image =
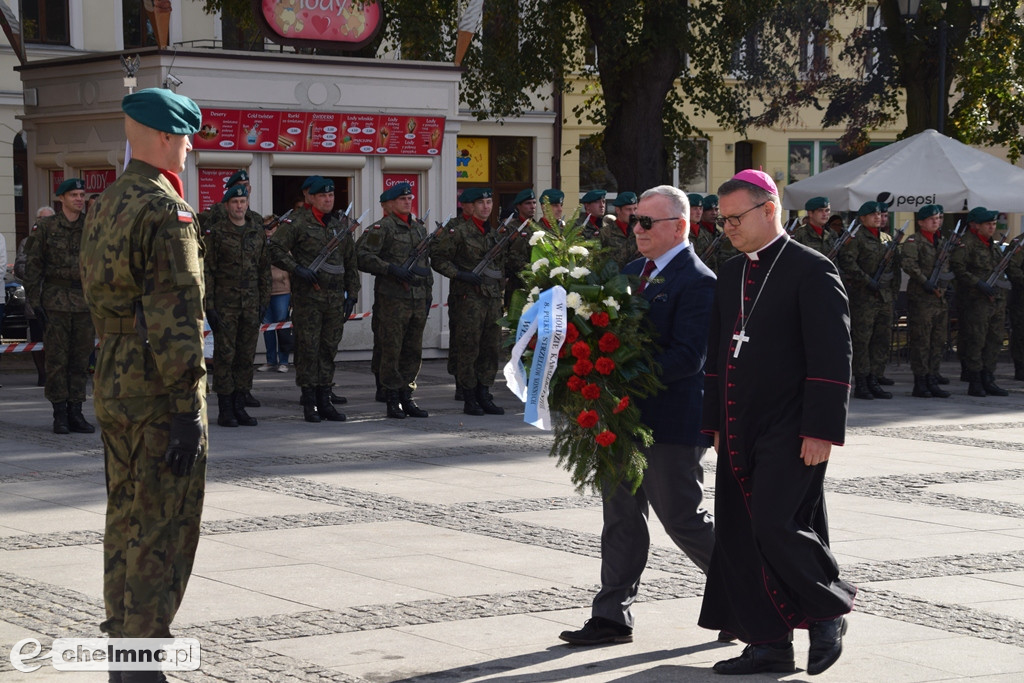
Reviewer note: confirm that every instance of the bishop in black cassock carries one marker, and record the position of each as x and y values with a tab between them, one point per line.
778	378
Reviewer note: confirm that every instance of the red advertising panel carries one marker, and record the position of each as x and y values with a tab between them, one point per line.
220	129
333	24
392	179
56	178
211	185
258	131
98	180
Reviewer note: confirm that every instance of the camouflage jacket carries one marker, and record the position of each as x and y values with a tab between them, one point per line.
972	261
859	259
142	275
237	265
219	211
917	258
391	241
591	230
622	245
808	236
1015	269
299	241
51	265
462	247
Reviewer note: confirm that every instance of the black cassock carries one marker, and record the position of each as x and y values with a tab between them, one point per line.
772	570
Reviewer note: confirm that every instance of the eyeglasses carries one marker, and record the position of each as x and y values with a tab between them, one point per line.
646	221
735	221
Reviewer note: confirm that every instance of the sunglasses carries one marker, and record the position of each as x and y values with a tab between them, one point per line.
646	221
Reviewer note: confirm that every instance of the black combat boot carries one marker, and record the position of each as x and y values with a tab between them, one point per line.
308	401
337	400
884	381
381	396
409	405
486	401
324	406
394	407
470	405
226	410
974	386
876	390
460	395
988	383
921	389
250	400
1018	372
932	382
76	421
60	418
941	379
860	388
244	418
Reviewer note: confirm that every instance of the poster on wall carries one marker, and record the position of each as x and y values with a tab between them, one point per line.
211	186
392	179
472	163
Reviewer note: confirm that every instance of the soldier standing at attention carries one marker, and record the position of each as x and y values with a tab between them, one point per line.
237	295
402	297
474	301
525	204
142	275
554	198
813	233
984	307
593	213
321	301
927	308
1015	274
53	289
699	237
617	231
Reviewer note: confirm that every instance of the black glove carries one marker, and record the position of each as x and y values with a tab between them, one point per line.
350	305
468	276
213	317
306	275
183	442
421	271
40	315
985	287
400	272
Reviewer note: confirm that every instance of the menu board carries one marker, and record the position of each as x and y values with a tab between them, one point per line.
211	185
320	132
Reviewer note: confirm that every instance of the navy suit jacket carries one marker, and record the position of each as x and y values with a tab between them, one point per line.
681	298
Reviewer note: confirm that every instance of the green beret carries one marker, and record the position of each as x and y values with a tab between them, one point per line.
625	199
163	110
310	181
870	207
815	203
927	211
235	191
321	186
980	214
524	196
472	194
710	201
396	191
70	184
695	200
240	176
553	196
593	196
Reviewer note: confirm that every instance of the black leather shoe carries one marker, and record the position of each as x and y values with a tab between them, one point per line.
759	658
338	400
725	637
876	389
940	379
251	401
826	644
885	381
598	631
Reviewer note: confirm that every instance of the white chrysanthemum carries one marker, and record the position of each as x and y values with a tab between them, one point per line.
540	263
579	251
558	270
573	300
534	293
579	272
584	310
536	238
610	302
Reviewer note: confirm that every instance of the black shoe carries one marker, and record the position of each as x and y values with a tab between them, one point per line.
974	386
885	381
876	390
933	386
921	387
60	418
941	379
338	400
244	418
250	400
1018	375
460	395
860	389
598	631
409	406
324	408
394	407
308	401
759	658
470	406
486	401
988	383
76	421
725	637
826	644
226	410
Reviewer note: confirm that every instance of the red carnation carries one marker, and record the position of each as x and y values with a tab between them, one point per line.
575	383
606	438
608	343
587	419
583	367
581	350
571	334
591	392
599	319
561	352
605	365
623	404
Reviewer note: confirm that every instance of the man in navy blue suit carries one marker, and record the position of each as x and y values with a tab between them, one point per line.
680	290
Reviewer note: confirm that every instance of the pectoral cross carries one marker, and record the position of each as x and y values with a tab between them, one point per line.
739	338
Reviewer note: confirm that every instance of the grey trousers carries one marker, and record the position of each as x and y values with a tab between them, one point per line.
673	486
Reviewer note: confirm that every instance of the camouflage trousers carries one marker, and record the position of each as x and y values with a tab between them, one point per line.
152	521
375	356
871	333
981	331
400	332
318	326
69	340
476	338
1016	310
927	323
234	349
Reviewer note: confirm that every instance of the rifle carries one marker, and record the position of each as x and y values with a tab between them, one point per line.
332	244
483	268
890	252
713	247
844	237
996	279
277	220
944	253
420	249
791	225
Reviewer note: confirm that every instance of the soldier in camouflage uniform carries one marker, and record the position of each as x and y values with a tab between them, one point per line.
617	231
219	212
525	204
982	323
554	199
813	233
321	301
1015	306
474	301
237	295
927	308
593	212
699	237
142	275
709	222
53	289
871	303
402	297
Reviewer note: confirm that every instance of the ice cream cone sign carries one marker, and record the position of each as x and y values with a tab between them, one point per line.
159	14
